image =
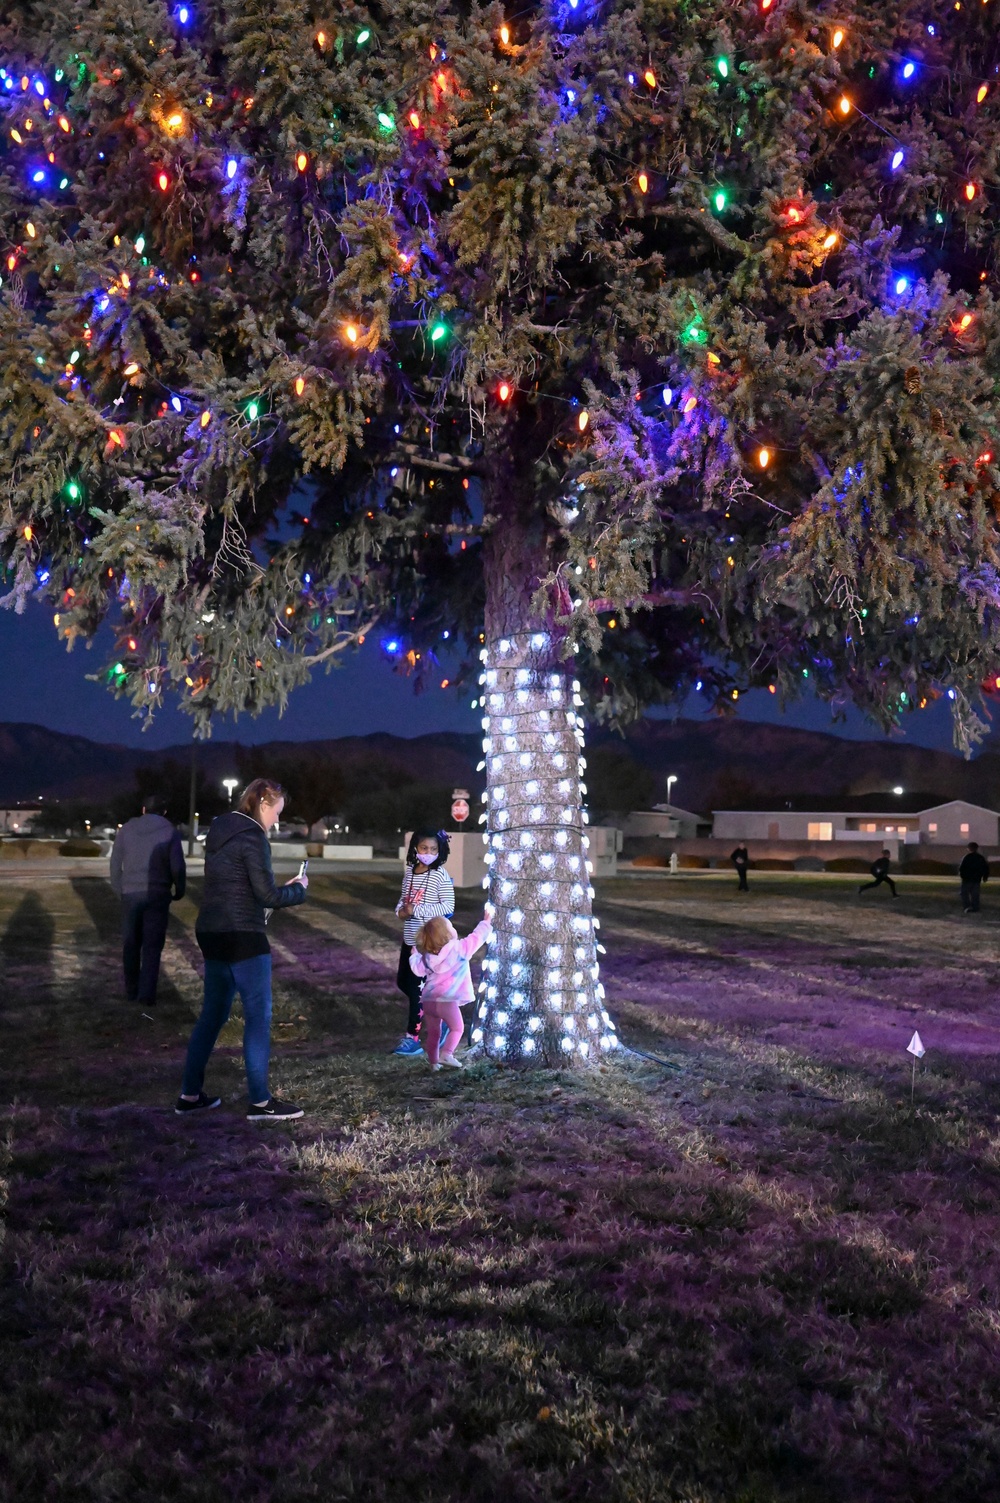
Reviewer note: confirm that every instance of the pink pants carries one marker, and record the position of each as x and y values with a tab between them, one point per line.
436	1013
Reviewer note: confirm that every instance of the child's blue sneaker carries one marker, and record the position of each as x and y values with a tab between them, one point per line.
408	1046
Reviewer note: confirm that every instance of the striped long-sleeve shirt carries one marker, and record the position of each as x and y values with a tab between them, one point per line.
432	894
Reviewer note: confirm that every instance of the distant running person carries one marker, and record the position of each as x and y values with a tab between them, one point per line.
973	872
741	860
147	874
880	872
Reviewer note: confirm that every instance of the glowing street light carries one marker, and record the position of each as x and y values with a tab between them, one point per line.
230	785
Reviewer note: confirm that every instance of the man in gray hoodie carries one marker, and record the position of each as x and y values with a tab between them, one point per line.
147	873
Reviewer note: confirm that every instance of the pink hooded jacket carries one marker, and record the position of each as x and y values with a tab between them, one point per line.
447	975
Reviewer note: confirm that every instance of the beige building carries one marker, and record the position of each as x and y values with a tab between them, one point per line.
949	824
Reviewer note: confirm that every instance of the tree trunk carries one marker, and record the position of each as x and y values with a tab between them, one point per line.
541	1000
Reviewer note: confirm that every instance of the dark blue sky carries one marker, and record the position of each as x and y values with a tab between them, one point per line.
44	684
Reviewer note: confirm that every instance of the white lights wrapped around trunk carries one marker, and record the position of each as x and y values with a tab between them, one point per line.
541	999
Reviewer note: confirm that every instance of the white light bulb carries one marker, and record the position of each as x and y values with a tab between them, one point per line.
560	761
536	814
504	646
567	1044
562	839
566	816
481	1014
525	759
564	785
584	1047
514	861
510	743
506	888
573	862
550	740
531	788
516	916
576	891
507	725
500	1042
538	641
528	1046
496	701
491	676
499	794
503	818
534	1024
569	1024
486	883
592	1022
555	1001
553	978
549	920
517	944
502	1019
548	862
517	999
577	978
477	1035
491	993
516	969
546	889
521	696
554	952
522	676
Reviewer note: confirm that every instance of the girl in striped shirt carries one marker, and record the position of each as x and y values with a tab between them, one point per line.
428	892
443	960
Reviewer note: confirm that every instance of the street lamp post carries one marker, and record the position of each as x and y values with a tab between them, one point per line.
230	785
670	781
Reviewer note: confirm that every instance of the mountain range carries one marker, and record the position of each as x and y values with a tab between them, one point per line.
718	763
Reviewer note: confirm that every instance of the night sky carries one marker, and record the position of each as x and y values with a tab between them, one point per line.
45	685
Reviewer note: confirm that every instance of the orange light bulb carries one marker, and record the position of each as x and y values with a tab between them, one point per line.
845	105
763	458
302	161
838	36
650	78
583	420
300	386
505	35
983	91
643	183
503	391
414	120
970	191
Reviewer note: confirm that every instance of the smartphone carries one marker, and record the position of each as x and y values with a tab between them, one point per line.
304	867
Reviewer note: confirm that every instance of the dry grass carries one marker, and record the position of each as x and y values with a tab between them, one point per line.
759	1278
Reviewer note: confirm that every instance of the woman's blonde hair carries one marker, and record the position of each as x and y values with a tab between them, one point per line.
433	936
260	791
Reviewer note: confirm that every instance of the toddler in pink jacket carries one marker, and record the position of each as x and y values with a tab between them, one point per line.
442	959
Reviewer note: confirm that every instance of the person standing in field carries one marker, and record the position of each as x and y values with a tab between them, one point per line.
231	930
147	874
973	872
880	873
428	892
741	860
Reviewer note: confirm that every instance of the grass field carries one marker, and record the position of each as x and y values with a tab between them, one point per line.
758	1275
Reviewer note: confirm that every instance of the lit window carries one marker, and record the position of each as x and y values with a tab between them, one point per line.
964	829
932	829
821	830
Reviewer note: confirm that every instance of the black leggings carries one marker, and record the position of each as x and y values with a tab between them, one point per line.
878	883
410	986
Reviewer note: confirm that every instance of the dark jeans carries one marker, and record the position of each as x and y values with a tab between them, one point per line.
741	872
878	883
970	896
144	930
409	985
252	979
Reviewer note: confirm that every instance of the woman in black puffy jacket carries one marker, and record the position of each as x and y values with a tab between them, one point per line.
231	930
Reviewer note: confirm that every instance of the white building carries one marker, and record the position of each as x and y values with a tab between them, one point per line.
953	823
665	820
17	821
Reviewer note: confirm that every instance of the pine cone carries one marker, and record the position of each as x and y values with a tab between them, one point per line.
937	420
912	380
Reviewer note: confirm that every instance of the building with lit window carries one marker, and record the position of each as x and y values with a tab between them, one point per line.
908	820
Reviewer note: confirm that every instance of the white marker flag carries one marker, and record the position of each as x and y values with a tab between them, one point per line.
915	1047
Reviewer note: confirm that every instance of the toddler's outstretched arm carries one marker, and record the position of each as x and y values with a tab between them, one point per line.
480	934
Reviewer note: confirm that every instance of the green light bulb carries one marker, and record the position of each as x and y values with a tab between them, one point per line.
140	245
73	491
722	66
363	37
720	201
386	121
438	332
252	412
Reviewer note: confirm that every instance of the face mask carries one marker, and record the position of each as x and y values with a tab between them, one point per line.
424	859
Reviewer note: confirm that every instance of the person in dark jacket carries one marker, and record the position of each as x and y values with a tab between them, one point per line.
147	874
231	931
973	872
880	873
741	860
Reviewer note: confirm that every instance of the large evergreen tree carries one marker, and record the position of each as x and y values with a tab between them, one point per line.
628	346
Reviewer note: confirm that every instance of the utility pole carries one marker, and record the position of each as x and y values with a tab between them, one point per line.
192	811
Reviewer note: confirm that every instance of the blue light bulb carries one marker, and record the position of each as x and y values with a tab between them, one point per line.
184	15
668	396
392	646
176	403
40	88
231	167
39	176
902	283
909	69
897	161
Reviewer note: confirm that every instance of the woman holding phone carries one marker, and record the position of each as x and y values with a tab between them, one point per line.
231	930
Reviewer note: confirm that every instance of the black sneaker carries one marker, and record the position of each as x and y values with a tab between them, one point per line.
274	1111
203	1104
